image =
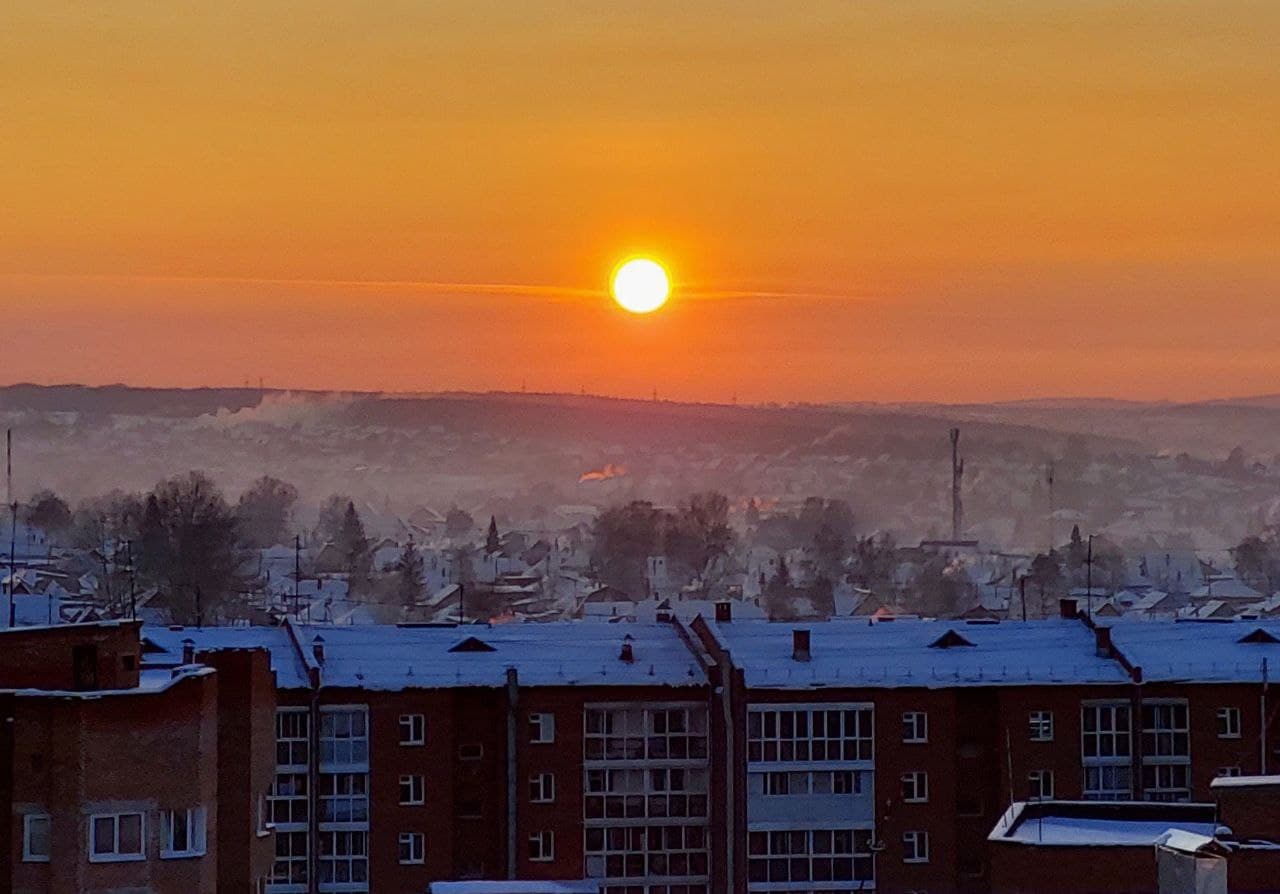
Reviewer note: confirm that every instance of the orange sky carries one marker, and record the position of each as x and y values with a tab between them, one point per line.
949	200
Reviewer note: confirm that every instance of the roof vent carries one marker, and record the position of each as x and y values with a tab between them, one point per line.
800	645
1259	635
628	653
317	648
1067	609
472	644
188	651
950	640
724	611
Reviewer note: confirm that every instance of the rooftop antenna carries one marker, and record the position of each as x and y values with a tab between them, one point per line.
13	519
957	473
1088	579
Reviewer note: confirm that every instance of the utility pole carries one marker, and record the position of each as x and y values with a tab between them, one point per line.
1022	588
1049	480
1088	578
13	521
957	473
133	590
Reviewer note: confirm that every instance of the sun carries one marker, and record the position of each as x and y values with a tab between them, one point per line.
640	285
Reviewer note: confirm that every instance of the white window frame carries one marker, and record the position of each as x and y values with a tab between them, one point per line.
542	788
542	729
915	727
1114	765
853	847
917	781
1229	725
115	855
770	744
353	744
417	794
413	729
915	846
1041	783
196	843
416	842
1168	770
542	846
1040	724
28	820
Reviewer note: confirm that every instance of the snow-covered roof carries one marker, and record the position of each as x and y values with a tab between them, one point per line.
515	887
1090	824
385	657
543	654
1245	782
290	674
897	653
1200	651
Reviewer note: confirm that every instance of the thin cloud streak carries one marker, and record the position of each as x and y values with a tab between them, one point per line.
433	287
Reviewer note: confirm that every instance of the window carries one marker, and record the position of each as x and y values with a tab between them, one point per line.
1041	784
1228	723
293	737
413	849
542	728
344	797
35	838
116	837
182	833
815	858
1166	751
915	787
344	861
1041	723
1105	747
542	847
542	788
809	735
413	729
470	752
411	790
1227	772
806	782
344	739
915	727
915	847
645	780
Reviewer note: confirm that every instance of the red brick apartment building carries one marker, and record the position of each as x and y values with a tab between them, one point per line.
116	778
727	756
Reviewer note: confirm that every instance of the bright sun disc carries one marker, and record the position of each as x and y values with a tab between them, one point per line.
640	286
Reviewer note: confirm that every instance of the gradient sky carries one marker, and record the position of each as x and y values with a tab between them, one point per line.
857	200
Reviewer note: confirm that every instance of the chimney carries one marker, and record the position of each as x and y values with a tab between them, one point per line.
724	611
188	651
1067	609
627	654
800	645
1102	639
317	648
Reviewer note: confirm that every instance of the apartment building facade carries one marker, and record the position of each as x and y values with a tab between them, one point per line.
114	778
725	755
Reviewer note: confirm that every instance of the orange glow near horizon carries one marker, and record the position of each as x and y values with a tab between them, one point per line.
872	201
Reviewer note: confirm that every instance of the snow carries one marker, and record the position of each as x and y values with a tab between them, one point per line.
1198	651
1090	831
853	652
384	657
509	887
565	653
1244	781
1186	842
290	674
